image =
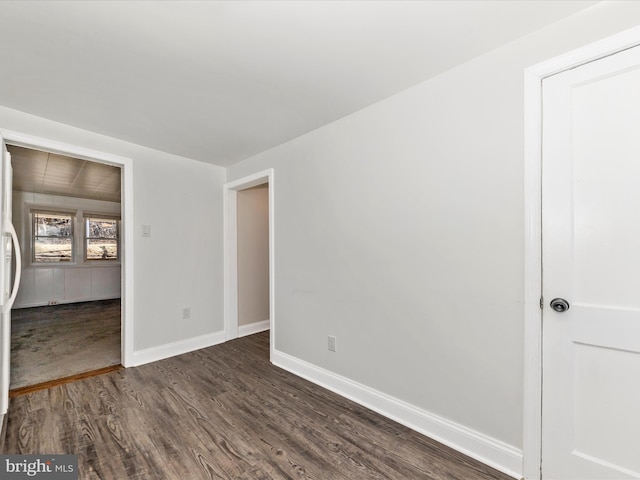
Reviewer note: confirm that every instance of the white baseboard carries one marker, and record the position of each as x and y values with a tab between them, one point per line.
488	450
62	302
251	328
161	352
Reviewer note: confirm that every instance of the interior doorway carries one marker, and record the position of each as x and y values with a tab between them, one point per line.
535	302
253	259
249	213
66	319
591	315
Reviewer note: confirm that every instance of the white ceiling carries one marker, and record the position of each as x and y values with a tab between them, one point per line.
219	81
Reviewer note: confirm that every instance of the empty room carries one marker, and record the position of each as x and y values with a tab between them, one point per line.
320	239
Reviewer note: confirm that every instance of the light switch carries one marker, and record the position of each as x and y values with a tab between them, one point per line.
146	230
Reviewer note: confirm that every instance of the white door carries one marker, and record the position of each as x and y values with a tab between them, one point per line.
8	284
591	259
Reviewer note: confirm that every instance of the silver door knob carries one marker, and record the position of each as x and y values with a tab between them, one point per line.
559	305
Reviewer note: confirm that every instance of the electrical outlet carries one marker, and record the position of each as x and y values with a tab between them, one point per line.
332	343
53	302
186	312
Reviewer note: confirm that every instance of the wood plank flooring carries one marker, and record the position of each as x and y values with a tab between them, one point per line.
223	412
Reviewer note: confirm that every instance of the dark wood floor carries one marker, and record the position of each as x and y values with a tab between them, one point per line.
223	413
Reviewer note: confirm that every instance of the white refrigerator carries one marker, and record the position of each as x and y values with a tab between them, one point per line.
9	273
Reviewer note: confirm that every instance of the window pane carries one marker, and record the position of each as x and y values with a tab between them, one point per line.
102	228
52	225
52	249
102	249
101	238
52	237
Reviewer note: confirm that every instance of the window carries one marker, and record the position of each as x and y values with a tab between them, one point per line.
101	238
52	237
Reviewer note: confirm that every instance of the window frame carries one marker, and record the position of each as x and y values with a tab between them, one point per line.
86	216
79	237
72	214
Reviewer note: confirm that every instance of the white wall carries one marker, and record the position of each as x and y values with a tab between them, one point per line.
180	264
63	283
253	255
400	230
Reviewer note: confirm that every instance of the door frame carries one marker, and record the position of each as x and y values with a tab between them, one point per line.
532	408
230	200
126	165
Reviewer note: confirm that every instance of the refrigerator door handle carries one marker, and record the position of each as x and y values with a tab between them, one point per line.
16	281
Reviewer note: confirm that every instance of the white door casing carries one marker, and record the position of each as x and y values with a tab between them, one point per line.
126	164
533	77
591	257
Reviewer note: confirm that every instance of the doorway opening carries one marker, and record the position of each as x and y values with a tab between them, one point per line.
125	234
253	259
66	318
249	255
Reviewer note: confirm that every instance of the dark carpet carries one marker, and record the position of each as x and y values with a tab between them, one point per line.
54	342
